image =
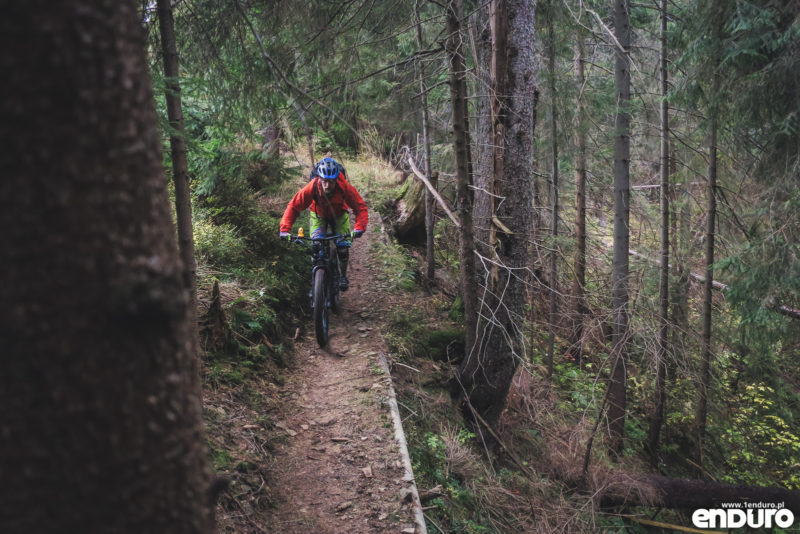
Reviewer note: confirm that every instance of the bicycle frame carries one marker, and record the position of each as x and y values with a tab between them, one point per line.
324	258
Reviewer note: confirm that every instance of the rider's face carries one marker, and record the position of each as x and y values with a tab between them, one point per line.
328	186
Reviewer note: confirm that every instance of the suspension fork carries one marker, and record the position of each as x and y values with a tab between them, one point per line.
328	279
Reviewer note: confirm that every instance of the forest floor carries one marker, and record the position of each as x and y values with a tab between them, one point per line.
322	452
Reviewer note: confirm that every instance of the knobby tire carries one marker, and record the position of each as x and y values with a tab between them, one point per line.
334	281
320	307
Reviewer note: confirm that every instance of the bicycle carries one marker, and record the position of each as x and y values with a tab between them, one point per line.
324	280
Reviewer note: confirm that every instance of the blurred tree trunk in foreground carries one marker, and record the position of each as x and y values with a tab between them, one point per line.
101	427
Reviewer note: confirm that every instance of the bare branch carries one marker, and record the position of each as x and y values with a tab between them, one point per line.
432	189
286	81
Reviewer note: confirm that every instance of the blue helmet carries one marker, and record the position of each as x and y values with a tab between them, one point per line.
328	169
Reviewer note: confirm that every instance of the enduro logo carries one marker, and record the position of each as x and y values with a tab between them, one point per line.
736	515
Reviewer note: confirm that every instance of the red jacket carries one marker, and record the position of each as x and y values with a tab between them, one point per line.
343	196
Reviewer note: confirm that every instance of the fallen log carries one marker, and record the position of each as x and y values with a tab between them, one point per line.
404	216
409	209
406	213
678	493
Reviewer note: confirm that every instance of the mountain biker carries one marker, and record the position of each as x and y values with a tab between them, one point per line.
328	196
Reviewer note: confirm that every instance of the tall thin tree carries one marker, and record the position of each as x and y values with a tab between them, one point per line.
551	62
484	151
659	397
463	160
701	412
617	387
430	204
579	287
177	141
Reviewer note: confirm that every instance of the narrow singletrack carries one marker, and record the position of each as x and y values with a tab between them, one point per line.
339	468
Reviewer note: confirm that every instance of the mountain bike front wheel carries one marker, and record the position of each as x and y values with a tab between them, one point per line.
320	306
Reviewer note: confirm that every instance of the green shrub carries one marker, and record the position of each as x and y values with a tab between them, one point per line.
218	244
410	334
230	201
396	266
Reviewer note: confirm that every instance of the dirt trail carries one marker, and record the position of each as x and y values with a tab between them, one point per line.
340	468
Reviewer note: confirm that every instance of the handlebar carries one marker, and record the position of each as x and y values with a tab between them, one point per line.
301	239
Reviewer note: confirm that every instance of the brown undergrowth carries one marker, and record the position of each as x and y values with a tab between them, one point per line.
528	476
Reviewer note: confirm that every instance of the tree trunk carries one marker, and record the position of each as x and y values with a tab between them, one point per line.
101	402
430	205
681	247
554	192
463	162
498	106
617	386
484	151
488	370
679	294
657	419
714	107
180	166
430	221
708	284
579	289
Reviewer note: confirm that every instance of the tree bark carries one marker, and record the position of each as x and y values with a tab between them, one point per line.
463	162
554	192
498	106
271	134
681	247
177	141
659	397
430	205
489	368
101	406
484	151
618	380
701	409
701	412
579	288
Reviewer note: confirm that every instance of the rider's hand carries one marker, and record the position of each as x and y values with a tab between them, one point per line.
356	233
285	235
